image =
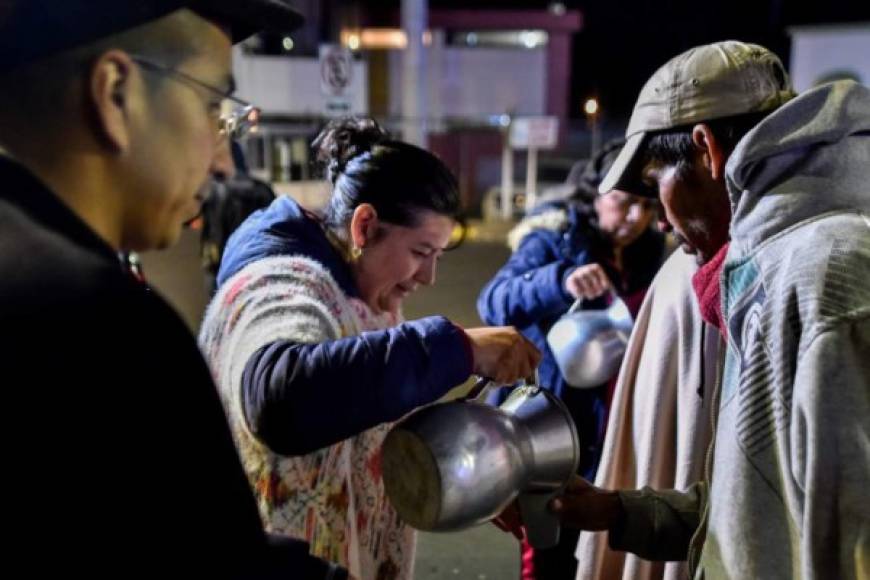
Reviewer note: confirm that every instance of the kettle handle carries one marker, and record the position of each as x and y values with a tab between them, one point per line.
542	526
578	304
479	390
482	386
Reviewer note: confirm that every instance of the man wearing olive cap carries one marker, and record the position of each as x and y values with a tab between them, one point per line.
118	457
770	192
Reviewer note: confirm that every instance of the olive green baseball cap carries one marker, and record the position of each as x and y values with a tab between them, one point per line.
704	83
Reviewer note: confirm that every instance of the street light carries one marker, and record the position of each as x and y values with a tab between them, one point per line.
591	106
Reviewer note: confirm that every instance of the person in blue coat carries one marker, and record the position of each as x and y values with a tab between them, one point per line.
313	360
575	245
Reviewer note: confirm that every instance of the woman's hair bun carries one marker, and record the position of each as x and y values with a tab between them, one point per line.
343	139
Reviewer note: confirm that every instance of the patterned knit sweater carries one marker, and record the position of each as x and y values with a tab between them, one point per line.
334	497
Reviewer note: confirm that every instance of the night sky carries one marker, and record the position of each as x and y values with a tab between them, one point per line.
624	41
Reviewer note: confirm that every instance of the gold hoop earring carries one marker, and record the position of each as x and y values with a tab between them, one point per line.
355	253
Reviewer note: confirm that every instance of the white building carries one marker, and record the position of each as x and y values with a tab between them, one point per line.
818	52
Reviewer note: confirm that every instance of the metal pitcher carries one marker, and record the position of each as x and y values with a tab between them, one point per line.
588	345
450	466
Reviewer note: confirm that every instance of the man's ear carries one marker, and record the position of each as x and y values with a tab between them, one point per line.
111	96
363	225
710	149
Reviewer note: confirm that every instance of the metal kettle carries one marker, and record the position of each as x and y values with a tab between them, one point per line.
588	345
449	466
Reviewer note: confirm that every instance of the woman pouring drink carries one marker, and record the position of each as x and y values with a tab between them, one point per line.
306	340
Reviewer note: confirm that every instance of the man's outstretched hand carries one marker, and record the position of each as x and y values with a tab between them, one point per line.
586	507
581	505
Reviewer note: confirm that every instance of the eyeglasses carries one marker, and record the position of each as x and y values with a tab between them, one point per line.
236	117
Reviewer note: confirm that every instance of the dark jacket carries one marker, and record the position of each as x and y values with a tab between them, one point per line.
226	206
117	452
528	292
298	398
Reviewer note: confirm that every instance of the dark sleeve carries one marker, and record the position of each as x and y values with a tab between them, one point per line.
224	514
658	525
298	398
120	402
529	287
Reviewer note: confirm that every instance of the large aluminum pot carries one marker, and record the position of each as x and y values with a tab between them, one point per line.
588	345
454	465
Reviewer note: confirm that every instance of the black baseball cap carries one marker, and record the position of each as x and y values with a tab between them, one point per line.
31	30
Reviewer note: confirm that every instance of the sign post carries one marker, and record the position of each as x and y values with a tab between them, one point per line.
336	76
532	134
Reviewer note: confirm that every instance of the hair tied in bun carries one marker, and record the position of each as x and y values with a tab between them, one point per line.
344	139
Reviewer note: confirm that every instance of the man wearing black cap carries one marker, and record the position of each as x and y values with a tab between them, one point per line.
118	457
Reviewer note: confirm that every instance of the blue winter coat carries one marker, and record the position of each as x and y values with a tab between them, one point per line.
528	292
298	398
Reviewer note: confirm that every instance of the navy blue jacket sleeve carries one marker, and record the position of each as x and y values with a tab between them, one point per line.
298	398
529	287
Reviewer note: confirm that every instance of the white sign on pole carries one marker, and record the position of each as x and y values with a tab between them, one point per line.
534	132
336	77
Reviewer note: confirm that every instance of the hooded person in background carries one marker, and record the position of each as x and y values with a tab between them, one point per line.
112	116
575	245
231	198
731	150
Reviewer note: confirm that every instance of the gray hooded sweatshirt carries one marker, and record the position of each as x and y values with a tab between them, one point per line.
790	490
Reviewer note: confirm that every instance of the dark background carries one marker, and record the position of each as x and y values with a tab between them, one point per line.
624	41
